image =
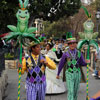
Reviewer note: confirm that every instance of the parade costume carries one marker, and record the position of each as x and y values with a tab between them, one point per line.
96	96
95	99
72	59
21	32
87	38
54	86
58	50
36	79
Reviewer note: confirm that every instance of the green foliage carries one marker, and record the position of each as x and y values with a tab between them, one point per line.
42	8
9	56
8	9
98	4
37	8
57	28
86	11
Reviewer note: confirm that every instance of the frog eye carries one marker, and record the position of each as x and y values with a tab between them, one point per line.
19	11
26	12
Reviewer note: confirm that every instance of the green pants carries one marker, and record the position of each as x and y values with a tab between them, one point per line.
73	82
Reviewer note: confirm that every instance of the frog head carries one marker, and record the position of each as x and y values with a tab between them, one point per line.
22	16
88	25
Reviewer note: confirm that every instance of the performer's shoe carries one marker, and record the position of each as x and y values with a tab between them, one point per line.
99	77
25	86
94	75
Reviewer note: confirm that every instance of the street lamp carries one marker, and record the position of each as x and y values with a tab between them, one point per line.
97	20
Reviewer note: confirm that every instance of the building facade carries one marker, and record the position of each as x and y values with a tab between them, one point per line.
39	25
87	2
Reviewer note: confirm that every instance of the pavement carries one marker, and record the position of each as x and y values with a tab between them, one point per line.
11	91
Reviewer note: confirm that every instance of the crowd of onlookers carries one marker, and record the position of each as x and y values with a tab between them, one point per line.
58	46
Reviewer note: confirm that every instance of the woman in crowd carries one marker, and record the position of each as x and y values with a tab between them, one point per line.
54	86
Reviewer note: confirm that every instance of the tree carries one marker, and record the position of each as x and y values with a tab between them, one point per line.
8	9
47	9
57	28
72	23
54	9
76	22
98	4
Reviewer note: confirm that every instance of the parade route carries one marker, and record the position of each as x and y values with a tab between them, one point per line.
55	45
11	91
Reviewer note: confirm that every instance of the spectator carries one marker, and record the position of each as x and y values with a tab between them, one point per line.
97	56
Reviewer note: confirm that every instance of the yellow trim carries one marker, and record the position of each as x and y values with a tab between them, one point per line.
73	38
18	98
34	55
42	68
50	63
19	87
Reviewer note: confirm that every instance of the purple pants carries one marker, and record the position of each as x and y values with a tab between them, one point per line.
95	99
35	91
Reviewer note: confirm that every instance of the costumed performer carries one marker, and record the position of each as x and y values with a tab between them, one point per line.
35	66
72	59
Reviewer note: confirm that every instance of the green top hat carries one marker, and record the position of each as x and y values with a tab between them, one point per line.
69	38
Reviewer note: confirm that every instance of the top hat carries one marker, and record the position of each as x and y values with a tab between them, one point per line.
69	38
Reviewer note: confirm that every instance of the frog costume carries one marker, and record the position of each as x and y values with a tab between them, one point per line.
73	59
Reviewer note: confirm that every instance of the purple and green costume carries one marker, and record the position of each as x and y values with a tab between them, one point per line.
36	80
73	60
95	99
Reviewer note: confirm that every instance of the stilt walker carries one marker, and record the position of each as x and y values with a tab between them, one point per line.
88	39
21	32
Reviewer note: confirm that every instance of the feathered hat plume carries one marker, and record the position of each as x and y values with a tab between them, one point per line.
23	5
86	11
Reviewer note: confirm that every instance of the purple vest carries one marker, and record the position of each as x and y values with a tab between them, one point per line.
70	58
35	74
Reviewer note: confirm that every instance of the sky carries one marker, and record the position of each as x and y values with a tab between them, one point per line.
85	1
